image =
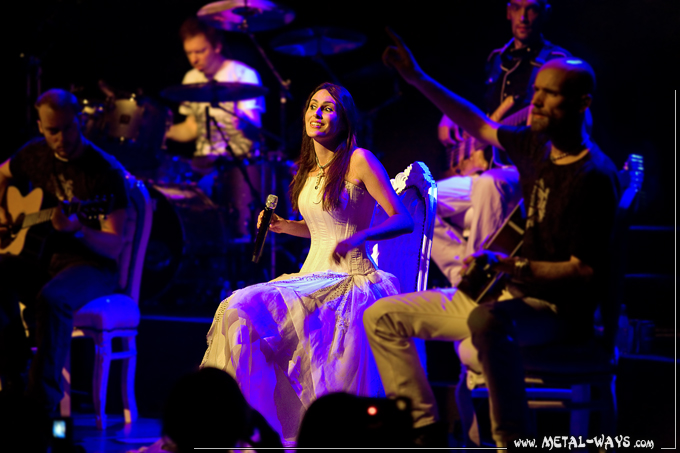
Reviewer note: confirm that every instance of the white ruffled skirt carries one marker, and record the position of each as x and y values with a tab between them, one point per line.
295	338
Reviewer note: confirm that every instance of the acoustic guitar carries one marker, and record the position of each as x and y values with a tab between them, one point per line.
25	213
481	283
479	279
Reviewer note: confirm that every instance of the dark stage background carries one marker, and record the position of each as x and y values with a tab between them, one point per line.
133	45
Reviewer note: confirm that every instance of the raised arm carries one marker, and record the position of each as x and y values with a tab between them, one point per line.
367	170
460	111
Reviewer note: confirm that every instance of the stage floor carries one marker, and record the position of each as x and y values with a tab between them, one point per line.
170	347
117	437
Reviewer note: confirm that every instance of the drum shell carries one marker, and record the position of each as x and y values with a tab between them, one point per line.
187	249
133	130
91	117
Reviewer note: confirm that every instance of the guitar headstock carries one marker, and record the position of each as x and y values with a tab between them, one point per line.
91	209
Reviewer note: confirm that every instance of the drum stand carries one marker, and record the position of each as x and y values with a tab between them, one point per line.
284	85
239	163
284	96
33	73
257	195
284	89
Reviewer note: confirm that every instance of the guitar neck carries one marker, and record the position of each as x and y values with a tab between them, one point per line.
26	213
517	118
45	215
37	217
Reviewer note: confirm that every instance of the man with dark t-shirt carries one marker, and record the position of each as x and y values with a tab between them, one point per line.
75	264
571	191
479	194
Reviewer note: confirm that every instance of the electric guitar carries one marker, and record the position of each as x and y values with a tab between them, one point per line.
25	213
465	158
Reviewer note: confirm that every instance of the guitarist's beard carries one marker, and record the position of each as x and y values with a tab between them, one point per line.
568	133
70	150
540	123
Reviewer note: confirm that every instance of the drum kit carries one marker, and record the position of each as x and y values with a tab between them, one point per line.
190	227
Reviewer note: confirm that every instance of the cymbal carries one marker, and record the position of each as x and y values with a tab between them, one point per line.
213	92
245	15
317	41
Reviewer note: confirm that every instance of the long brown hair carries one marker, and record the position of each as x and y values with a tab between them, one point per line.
334	182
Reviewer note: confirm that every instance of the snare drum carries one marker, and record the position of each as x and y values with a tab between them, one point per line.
186	259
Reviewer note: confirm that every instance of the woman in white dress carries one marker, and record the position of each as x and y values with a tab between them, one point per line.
295	338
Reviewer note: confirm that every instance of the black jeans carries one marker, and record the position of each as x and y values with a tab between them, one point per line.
498	330
54	301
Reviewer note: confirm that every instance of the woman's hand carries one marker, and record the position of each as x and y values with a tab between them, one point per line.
277	224
348	244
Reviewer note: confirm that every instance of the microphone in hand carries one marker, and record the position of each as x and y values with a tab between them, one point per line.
267	214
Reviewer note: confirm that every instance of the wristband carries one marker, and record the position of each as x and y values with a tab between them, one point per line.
521	269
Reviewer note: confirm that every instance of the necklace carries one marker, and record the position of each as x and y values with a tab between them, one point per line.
322	173
561	156
582	146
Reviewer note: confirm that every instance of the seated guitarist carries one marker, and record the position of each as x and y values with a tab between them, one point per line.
78	262
481	184
571	191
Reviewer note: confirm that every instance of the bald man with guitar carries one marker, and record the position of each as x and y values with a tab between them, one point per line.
481	185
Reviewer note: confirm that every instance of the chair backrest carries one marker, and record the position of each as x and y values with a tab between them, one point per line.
135	238
631	178
408	256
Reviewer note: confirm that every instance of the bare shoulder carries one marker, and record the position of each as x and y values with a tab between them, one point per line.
361	153
363	158
362	165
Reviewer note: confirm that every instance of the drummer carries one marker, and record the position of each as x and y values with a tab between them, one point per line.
237	122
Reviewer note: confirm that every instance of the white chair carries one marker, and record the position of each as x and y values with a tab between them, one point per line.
117	315
408	256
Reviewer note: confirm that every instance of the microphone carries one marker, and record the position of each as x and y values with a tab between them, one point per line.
264	226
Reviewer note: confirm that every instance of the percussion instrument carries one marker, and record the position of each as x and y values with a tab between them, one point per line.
213	92
224	181
131	129
186	258
243	205
245	15
318	41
